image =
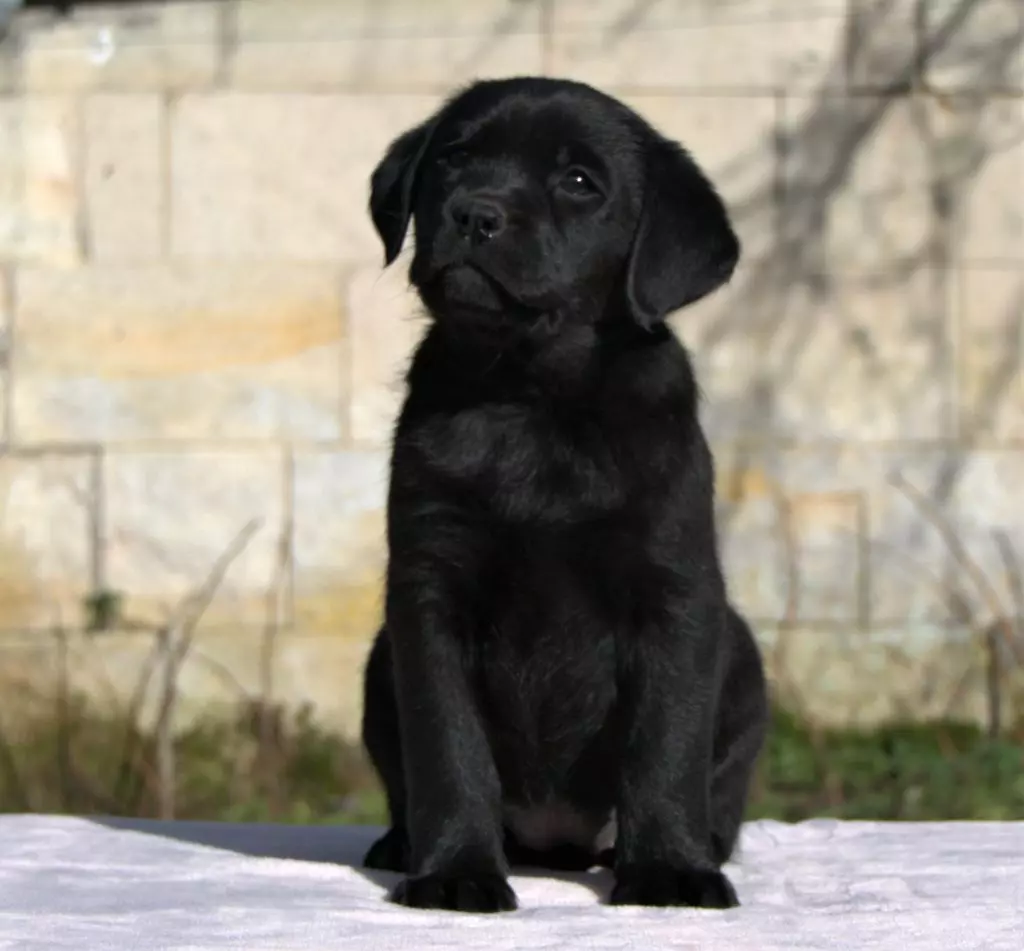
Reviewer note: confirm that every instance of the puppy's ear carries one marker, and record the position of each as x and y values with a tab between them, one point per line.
685	246
393	187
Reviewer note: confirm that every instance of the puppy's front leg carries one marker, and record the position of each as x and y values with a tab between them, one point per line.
453	792
670	683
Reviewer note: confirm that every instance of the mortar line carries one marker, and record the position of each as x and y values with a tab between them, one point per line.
546	38
227	42
285	605
10	304
863	582
166	174
98	521
80	165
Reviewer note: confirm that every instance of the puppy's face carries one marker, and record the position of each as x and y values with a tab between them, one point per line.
542	198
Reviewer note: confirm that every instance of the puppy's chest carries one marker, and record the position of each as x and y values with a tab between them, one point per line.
546	653
524	457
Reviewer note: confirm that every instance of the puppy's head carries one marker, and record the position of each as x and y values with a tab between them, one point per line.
539	197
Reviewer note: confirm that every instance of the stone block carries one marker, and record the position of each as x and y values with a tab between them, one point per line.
721	333
857	356
281	176
979	156
47	512
822	536
224	668
990	338
6	346
881	46
9	63
40	202
125	177
323	44
744	46
385	324
866	356
975	46
172	515
793	535
144	46
326	673
985	503
128	353
339	543
733	139
857	179
849	676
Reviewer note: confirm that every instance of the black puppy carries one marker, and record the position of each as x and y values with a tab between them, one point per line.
560	680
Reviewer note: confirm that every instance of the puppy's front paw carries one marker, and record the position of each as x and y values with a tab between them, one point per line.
483	894
390	853
666	887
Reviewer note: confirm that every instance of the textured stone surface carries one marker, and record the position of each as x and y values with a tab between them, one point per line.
791	528
224	666
287	176
986	500
980	160
6	347
40	148
339	500
985	53
386	322
857	177
846	675
990	325
180	352
821	535
859	355
11	173
733	139
739	46
316	44
146	46
8	64
216	320
47	505
125	177
171	515
881	45
869	357
840	674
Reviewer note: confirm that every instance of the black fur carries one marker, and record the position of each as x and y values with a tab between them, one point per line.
558	649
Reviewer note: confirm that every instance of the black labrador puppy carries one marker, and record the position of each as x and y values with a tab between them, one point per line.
560	680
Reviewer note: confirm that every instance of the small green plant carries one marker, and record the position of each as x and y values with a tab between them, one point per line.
906	771
103	610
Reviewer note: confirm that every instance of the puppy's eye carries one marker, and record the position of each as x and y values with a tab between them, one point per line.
578	183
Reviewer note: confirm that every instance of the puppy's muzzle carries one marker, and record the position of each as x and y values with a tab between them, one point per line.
477	218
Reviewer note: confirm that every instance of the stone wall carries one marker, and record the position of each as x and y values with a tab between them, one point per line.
196	330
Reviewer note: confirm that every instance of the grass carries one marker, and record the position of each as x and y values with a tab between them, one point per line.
904	771
252	763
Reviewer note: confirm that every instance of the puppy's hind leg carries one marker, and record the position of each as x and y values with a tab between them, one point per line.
740	734
382	739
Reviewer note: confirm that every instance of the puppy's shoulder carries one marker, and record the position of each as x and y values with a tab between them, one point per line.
654	371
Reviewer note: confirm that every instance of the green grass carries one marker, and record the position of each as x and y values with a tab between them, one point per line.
252	764
909	771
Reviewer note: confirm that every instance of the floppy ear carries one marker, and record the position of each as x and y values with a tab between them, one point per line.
685	246
393	185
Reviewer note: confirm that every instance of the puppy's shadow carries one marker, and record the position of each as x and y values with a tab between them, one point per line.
330	844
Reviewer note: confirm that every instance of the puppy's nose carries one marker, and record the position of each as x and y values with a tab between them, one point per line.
479	219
